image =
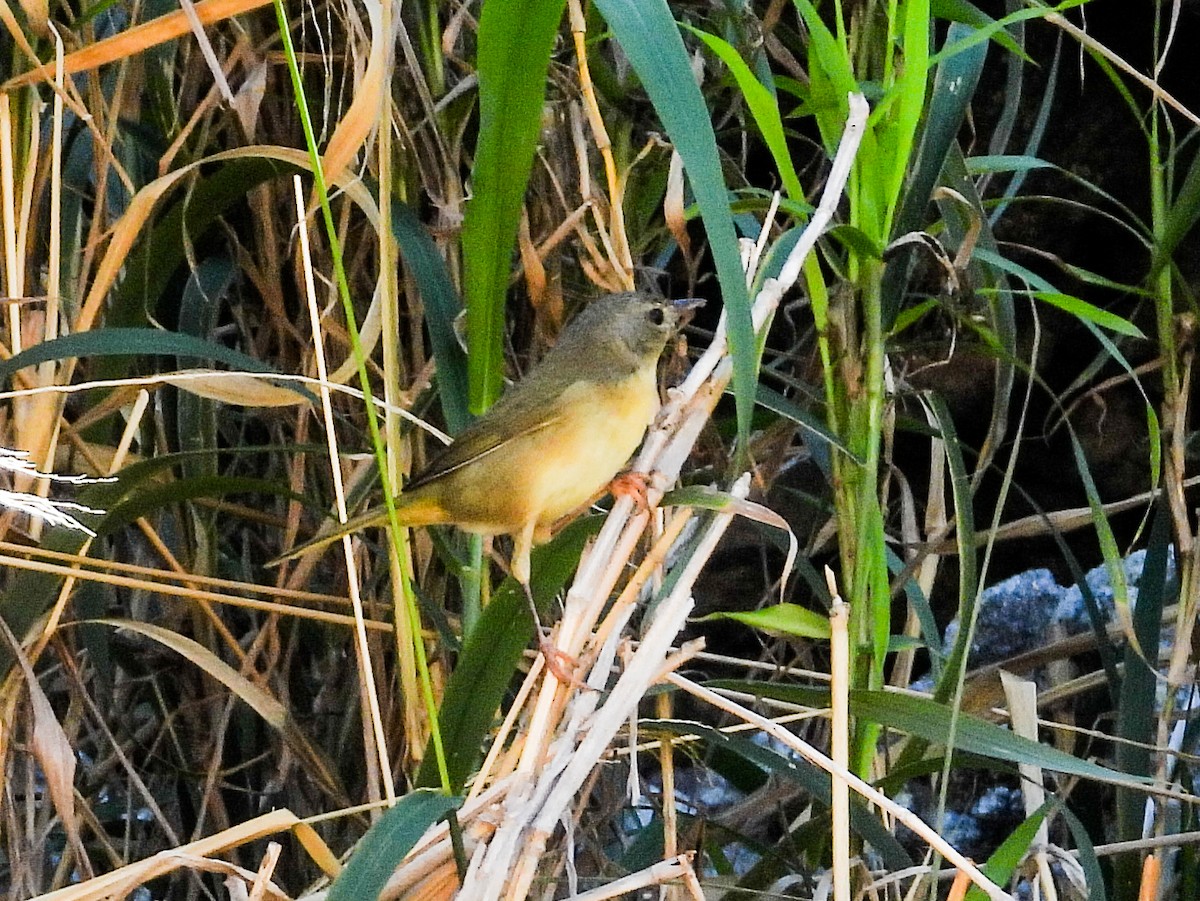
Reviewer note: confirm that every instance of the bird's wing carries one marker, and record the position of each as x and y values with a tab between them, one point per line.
488	435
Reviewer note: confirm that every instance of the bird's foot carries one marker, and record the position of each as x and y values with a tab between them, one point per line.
633	485
560	664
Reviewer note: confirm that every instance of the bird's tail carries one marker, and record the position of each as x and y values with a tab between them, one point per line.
415	510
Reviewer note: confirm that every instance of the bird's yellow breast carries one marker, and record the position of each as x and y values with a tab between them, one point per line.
607	423
543	475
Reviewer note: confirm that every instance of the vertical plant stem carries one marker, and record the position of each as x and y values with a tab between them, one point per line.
343	285
400	560
839	741
1176	363
866	573
374	741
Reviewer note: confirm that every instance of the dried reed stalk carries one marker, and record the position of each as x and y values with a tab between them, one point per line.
567	729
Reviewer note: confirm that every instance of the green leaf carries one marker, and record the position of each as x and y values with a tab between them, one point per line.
491	652
991	258
911	315
993	29
442	305
1005	859
196	417
763	106
969	14
964	536
1181	219
1093	875
1018	73
1137	705
953	87
1081	309
515	40
898	130
650	38
988	165
797	771
113	342
386	843
930	720
831	76
785	619
770	399
931	636
857	241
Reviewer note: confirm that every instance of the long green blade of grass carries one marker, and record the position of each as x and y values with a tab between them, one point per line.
1005	859
931	721
129	342
953	88
515	40
491	652
650	38
442	305
763	106
793	770
386	843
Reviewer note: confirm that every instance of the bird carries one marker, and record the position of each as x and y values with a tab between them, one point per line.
553	441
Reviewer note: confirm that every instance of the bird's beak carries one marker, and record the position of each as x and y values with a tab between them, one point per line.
686	307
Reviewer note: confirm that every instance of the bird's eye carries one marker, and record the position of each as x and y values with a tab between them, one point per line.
656	316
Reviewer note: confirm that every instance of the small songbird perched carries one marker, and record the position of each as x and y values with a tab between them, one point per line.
554	440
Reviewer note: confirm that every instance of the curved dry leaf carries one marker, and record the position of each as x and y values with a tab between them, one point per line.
136	40
124	233
250	97
127	229
263	703
357	122
111	884
369	331
54	755
241	389
259	699
51	747
674	208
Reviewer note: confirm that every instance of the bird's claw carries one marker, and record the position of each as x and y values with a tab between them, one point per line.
634	485
561	664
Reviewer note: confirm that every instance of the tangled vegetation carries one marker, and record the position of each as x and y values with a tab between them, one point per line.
258	261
